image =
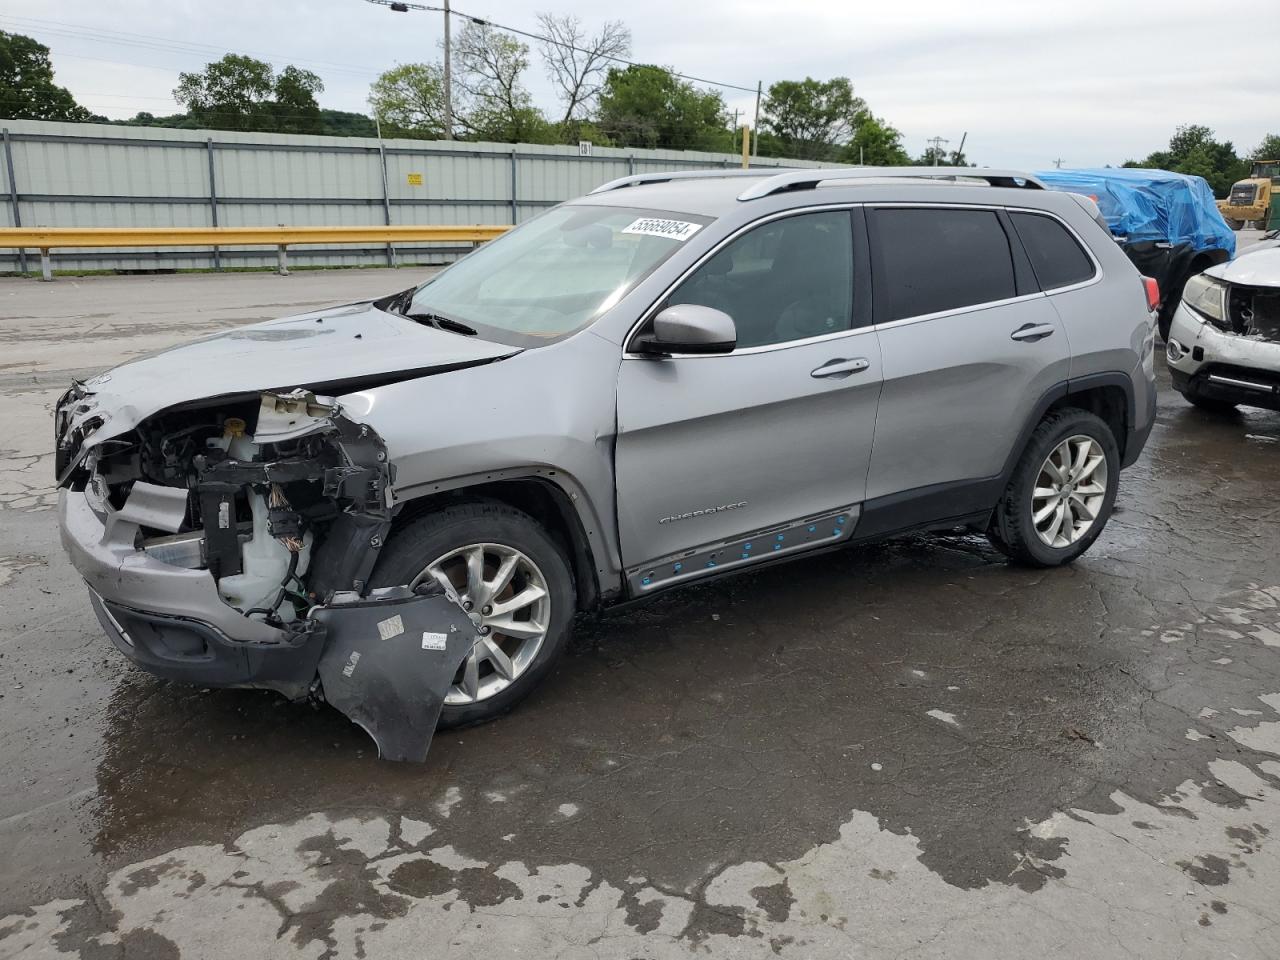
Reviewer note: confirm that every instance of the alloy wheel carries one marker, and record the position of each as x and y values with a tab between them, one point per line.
506	596
1069	491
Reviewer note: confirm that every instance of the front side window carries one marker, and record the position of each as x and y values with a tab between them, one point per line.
785	280
931	260
555	274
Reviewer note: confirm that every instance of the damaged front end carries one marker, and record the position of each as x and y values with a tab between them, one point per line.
1254	311
1244	309
228	542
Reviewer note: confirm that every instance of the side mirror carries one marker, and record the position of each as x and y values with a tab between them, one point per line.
689	328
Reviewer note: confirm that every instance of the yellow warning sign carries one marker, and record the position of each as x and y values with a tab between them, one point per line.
415	179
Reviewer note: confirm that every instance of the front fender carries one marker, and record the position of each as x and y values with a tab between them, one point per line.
547	413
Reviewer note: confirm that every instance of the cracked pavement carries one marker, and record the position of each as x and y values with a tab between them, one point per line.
908	750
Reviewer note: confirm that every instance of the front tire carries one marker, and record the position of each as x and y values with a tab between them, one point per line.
1061	493
1234	224
515	578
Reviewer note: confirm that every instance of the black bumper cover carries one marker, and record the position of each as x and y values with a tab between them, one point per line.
1265	394
387	661
191	651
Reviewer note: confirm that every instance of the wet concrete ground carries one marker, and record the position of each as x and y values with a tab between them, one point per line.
910	749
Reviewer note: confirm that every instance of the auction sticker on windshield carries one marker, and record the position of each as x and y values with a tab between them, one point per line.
671	229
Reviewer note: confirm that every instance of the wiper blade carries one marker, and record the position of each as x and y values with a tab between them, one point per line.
397	302
441	322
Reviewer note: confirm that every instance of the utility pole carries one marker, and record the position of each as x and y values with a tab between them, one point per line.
448	77
935	152
401	6
1058	163
755	126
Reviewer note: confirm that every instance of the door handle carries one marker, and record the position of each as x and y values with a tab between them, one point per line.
1031	332
839	368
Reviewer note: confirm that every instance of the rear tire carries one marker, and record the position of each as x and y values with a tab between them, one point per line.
1210	404
1234	224
1040	522
493	531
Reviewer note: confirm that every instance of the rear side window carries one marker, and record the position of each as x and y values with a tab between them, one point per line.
933	260
1055	254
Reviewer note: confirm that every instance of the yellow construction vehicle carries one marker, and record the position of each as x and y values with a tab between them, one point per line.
1251	199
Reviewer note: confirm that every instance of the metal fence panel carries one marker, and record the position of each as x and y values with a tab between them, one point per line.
85	175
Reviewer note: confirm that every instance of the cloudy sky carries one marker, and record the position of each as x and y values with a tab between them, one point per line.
1085	82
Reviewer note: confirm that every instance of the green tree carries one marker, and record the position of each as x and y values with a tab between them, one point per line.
1268	149
649	106
345	123
409	100
810	119
241	93
1192	150
938	157
27	90
293	102
876	143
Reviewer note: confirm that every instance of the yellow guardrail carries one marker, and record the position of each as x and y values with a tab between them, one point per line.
45	239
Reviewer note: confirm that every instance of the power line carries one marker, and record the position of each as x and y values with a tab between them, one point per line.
630	63
170	45
167	45
481	21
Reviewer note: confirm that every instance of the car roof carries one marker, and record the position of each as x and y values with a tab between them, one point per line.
716	194
709	196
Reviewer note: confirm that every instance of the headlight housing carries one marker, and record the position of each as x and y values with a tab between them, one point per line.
1207	297
95	493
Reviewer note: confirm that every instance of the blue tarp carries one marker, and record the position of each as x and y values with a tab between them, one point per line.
1150	205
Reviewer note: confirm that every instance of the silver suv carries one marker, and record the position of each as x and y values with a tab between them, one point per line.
400	505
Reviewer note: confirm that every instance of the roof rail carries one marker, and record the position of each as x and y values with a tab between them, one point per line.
637	179
809	179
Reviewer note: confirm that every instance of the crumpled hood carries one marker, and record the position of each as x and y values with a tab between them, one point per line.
1260	268
326	346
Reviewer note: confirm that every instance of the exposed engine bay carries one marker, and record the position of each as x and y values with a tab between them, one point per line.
1254	311
284	503
246	488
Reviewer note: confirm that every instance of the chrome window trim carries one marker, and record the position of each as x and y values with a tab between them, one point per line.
647	315
988	304
958	311
1088	250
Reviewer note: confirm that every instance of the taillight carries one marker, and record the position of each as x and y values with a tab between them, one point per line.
1153	292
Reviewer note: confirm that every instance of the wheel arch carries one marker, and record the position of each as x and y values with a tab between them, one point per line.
551	497
1108	395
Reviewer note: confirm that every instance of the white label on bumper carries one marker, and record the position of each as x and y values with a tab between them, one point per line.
391	627
671	229
434	641
350	668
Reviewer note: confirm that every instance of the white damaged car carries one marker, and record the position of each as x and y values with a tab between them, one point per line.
1224	341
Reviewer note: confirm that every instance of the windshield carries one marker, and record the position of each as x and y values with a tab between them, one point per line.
555	274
